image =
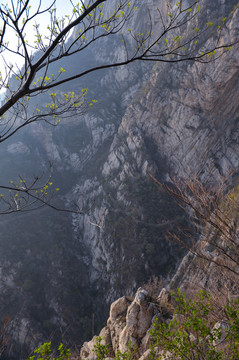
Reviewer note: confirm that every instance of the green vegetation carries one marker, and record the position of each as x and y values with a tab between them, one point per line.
103	351
194	332
44	352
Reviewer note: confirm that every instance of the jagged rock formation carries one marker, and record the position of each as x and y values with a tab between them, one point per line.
130	322
130	330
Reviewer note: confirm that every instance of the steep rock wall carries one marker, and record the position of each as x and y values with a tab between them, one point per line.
184	121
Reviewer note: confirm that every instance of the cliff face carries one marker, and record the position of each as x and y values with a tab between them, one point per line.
171	120
184	121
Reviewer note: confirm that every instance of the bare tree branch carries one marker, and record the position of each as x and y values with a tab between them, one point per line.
163	42
215	218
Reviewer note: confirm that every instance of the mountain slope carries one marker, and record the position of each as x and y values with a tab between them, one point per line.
168	119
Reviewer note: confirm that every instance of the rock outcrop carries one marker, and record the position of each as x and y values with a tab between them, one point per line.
129	325
130	330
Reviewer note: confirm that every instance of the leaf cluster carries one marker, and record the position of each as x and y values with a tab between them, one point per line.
44	352
195	333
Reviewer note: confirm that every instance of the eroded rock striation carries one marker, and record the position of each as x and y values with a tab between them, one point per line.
183	122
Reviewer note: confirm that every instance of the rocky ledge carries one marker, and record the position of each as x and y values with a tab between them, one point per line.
130	322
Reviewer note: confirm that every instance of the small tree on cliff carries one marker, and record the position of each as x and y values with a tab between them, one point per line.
214	216
31	75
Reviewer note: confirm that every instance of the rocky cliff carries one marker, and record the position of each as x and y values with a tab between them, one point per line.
130	322
182	122
176	119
